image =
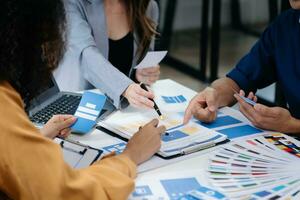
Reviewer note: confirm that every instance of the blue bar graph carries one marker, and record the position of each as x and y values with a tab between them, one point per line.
173	136
240	131
174	99
118	148
220	121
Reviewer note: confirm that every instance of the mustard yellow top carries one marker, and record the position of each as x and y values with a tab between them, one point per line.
32	166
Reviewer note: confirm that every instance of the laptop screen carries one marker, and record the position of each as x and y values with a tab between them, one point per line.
43	94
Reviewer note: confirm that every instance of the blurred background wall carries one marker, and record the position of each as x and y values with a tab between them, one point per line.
254	11
206	38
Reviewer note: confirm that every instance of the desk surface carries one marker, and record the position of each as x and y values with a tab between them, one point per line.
197	162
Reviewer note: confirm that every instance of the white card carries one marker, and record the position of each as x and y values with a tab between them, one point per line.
152	59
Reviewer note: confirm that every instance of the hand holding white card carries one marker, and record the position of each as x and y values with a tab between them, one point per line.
152	59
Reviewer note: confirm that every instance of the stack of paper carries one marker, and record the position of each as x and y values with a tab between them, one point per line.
179	138
264	167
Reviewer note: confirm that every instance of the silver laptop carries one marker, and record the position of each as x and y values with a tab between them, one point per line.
50	101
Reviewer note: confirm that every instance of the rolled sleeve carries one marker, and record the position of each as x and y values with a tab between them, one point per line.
240	78
257	69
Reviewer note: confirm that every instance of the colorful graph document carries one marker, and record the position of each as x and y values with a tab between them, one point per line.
100	140
174	99
263	167
88	111
229	123
179	138
175	186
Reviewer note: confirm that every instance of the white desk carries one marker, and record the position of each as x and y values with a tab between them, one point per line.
193	162
197	162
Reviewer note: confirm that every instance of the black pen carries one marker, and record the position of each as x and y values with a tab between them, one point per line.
143	86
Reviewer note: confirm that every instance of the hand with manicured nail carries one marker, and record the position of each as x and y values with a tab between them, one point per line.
58	125
139	97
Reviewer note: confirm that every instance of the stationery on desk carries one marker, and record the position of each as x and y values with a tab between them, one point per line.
179	185
174	99
100	140
88	111
78	155
180	139
152	59
247	100
143	86
261	167
229	122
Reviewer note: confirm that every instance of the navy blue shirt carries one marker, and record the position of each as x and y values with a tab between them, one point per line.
274	58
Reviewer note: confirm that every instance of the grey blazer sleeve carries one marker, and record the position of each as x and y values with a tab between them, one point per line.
94	67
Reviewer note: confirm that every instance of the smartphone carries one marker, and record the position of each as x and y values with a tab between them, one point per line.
249	101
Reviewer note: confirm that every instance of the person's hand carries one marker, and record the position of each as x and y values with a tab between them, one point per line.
269	118
148	75
145	143
250	96
138	97
203	106
58	125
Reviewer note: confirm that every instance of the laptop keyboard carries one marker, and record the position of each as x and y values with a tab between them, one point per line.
66	104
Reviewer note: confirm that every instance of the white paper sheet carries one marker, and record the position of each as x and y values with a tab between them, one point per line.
152	59
169	185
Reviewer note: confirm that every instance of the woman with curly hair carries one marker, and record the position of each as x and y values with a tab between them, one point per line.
107	38
31	165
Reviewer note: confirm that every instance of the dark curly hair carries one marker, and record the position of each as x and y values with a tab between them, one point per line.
31	42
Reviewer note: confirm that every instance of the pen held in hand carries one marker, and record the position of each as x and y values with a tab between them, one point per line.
143	86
